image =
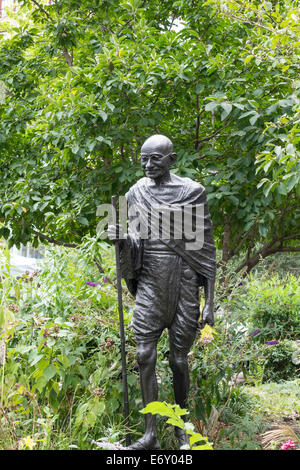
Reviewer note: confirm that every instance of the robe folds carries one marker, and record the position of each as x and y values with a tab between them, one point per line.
161	272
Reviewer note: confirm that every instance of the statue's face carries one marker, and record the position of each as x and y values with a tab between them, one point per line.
156	158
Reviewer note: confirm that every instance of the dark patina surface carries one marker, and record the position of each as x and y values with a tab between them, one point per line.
165	276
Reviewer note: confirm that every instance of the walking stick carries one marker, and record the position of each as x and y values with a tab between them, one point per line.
121	321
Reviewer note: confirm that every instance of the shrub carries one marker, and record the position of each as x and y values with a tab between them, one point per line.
275	307
279	365
61	381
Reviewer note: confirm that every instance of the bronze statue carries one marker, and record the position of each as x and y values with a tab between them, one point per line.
165	276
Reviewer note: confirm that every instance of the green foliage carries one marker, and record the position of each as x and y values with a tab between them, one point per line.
174	414
86	82
215	364
275	307
61	382
279	364
243	435
276	400
62	377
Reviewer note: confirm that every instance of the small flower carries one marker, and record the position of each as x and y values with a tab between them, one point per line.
77	317
287	445
98	392
136	367
206	340
13	307
107	345
254	333
206	334
93	284
27	443
105	280
270	343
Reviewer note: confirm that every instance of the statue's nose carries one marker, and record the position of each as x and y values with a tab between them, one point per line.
149	163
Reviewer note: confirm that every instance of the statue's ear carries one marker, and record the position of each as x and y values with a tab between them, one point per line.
173	158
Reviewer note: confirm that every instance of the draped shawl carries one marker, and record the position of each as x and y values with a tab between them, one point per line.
177	192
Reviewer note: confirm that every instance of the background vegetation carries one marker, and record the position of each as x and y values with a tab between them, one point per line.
87	81
61	382
83	84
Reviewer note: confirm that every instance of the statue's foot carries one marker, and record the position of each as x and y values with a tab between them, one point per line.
145	443
181	437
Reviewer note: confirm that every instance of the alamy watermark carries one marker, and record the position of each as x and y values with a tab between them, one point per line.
184	222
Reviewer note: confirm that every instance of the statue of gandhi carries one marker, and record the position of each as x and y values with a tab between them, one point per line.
164	275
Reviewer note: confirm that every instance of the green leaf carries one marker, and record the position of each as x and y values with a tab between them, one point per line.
282	188
203	447
83	220
254	118
197	437
248	58
267	166
35	358
176	422
291	182
103	114
49	372
268	188
227	107
211	106
290	149
262	182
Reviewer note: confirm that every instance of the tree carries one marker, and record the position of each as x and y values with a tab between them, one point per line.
87	81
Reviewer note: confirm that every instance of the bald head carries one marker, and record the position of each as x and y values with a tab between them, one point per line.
157	143
157	157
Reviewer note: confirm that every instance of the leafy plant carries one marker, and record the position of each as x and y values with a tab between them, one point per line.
62	379
84	86
174	414
275	305
278	363
243	435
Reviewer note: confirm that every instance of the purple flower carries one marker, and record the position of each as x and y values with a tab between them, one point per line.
270	343
93	284
206	340
136	367
255	332
105	280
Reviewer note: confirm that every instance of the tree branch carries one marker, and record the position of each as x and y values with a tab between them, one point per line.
101	270
252	23
198	123
66	54
225	246
68	57
42	10
54	241
268	250
215	134
242	241
288	249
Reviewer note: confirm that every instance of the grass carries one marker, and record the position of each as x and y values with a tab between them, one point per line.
277	400
271	418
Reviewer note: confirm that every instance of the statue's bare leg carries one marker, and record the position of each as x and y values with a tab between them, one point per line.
146	357
181	383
